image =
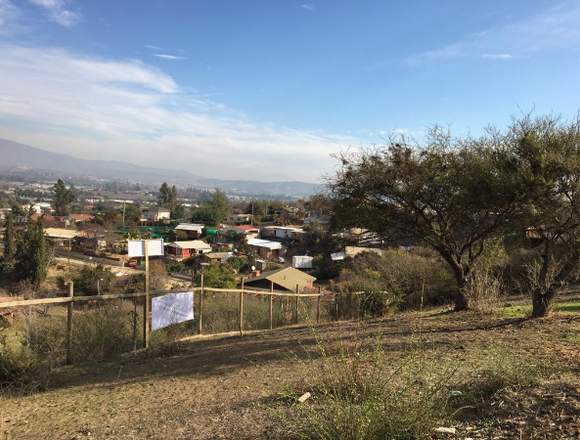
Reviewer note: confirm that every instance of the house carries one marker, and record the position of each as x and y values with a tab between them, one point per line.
192	230
39	207
282	233
50	221
266	249
240	219
61	237
81	218
248	231
287	278
302	262
217	257
182	250
158	215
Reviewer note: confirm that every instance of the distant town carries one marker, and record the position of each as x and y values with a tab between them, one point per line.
91	225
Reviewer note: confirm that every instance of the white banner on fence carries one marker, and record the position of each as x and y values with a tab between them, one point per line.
171	309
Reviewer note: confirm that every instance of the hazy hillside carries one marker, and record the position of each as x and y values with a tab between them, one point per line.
18	158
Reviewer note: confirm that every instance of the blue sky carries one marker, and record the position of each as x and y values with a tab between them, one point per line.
271	89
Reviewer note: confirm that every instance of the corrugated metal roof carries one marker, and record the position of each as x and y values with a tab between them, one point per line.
272	245
189	227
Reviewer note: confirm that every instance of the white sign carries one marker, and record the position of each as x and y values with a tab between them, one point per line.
171	309
136	248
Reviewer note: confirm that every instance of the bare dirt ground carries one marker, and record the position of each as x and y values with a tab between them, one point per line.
226	387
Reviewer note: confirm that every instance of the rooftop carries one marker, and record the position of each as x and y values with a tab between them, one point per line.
272	245
190	244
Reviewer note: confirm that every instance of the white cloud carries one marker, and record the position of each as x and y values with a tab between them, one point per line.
58	11
8	16
307	6
166	56
555	28
127	110
497	56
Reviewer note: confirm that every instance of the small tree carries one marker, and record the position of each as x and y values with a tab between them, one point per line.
33	254
219	206
63	197
167	196
9	241
215	210
452	194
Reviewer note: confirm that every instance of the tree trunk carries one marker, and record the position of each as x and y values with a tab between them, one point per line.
460	301
460	274
542	303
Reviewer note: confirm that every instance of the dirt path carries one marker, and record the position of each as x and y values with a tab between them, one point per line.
222	388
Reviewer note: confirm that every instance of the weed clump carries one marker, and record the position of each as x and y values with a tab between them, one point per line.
359	394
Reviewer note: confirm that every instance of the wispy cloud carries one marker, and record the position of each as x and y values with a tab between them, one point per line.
58	11
166	56
307	6
555	28
497	56
128	110
8	17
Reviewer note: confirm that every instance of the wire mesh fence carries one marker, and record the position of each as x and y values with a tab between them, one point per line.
76	329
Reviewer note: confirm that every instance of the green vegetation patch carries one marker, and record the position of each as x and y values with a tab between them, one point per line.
523	311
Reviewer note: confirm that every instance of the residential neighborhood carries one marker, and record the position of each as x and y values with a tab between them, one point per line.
95	225
289	220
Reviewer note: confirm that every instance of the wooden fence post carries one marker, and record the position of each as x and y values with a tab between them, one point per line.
318	306
147	300
134	324
200	317
350	306
422	293
69	323
193	307
296	306
242	309
271	305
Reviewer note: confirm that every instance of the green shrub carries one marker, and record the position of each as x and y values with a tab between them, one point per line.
93	280
396	279
218	276
19	365
102	332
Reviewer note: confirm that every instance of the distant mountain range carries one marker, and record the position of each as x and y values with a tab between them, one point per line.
18	159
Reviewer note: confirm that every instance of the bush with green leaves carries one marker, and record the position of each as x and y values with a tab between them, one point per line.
218	276
93	280
395	279
19	364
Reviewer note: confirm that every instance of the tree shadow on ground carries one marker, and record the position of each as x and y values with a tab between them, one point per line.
202	358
